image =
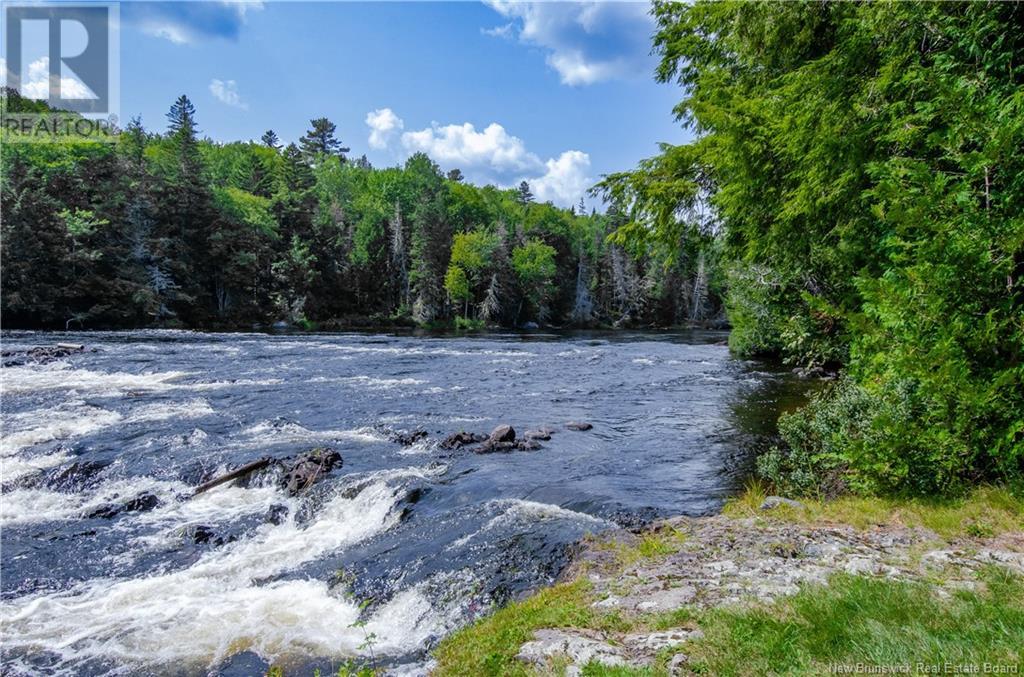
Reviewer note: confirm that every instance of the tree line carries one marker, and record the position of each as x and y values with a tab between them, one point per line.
171	229
864	166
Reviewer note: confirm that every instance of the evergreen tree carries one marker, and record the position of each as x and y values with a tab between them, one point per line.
320	140
270	140
523	194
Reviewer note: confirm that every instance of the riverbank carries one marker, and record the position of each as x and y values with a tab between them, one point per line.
790	589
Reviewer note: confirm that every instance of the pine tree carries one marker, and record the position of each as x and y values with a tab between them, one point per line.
270	140
524	195
187	216
320	140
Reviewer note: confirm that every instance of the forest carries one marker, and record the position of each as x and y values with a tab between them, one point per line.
173	230
863	165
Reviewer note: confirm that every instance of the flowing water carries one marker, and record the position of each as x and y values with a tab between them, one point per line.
402	544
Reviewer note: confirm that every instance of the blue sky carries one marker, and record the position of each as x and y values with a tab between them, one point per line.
556	93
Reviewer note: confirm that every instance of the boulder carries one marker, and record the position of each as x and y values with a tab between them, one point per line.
543	435
461	439
309	467
773	502
503	433
579	425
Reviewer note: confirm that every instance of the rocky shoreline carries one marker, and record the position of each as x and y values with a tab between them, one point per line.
684	564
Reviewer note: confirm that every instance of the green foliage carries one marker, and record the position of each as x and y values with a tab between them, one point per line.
861	165
465	324
472	251
456	283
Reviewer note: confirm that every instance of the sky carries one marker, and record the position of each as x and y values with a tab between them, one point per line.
555	93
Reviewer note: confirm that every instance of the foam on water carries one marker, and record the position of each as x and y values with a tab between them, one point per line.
27	506
71	419
217	606
60	375
291	432
75	419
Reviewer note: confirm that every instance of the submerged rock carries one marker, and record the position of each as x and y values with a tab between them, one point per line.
410	438
40	354
141	503
542	434
579	425
199	534
309	467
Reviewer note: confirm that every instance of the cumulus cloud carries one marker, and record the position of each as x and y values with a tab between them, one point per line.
188	22
462	145
226	91
564	180
487	156
585	42
383	124
36	84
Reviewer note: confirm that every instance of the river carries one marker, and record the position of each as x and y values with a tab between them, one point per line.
401	544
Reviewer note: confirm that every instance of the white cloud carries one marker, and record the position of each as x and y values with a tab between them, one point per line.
565	179
488	156
383	124
36	85
463	146
586	42
504	31
226	91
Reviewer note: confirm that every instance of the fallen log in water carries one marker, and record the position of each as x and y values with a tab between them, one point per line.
232	475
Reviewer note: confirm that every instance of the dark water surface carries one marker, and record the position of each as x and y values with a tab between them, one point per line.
432	537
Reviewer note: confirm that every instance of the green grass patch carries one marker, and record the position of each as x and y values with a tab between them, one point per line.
868	621
986	511
489	646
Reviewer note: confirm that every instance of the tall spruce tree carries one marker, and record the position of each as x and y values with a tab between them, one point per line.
320	140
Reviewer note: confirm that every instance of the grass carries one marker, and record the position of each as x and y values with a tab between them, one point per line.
873	622
489	646
854	620
986	511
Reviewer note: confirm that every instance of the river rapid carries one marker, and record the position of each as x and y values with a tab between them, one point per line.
402	544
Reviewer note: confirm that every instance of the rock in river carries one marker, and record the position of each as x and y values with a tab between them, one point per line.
461	439
141	503
309	467
503	433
